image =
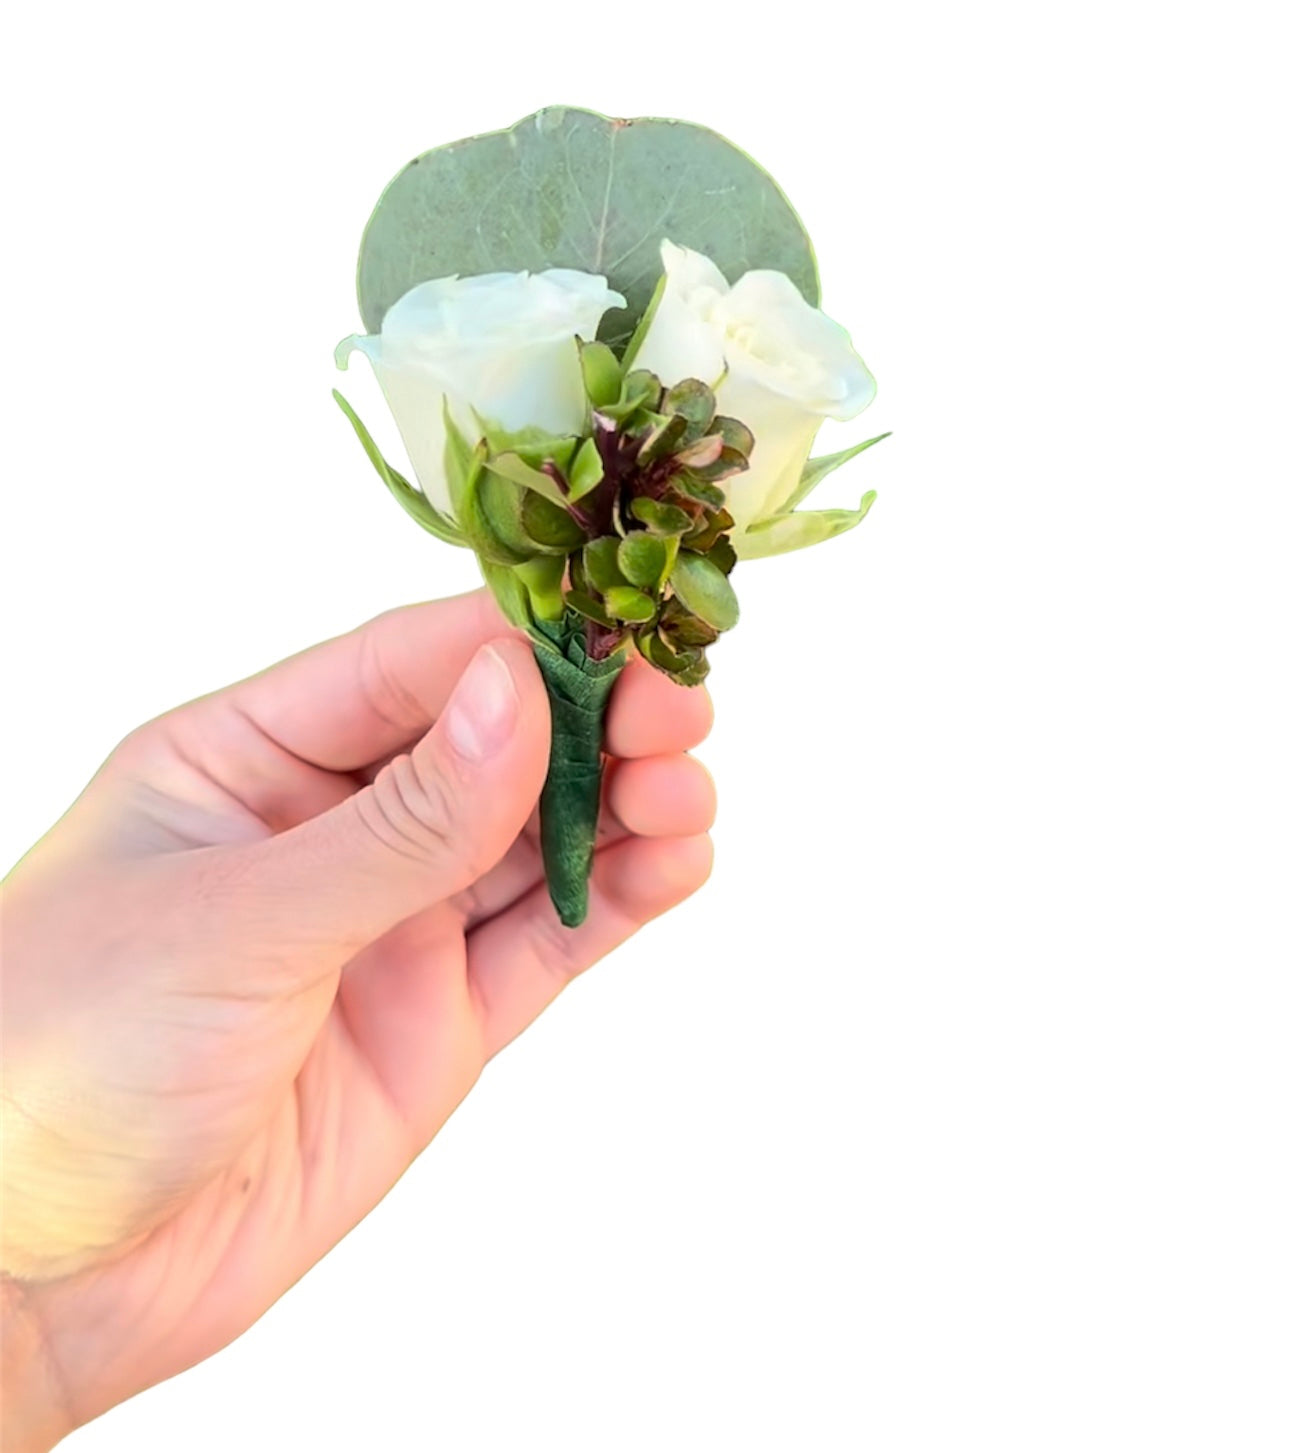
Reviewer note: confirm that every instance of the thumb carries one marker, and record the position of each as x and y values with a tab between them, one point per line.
431	822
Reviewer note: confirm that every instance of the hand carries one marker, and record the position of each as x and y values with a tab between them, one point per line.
265	955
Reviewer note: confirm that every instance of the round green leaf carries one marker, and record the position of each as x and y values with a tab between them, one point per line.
601	561
705	591
643	559
570	188
663	519
626	604
549	524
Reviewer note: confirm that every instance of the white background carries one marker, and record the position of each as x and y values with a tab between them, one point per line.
953	1114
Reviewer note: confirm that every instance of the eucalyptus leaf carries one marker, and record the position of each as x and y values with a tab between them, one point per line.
705	591
412	499
783	533
570	188
817	469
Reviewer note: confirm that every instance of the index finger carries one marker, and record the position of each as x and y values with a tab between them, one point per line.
365	695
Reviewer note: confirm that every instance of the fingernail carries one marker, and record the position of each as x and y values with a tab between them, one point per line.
482	713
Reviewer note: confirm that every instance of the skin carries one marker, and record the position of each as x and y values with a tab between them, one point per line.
263	958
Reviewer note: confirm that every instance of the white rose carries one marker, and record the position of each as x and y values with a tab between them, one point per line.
500	345
788	368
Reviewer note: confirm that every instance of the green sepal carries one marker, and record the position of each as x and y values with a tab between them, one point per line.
587	470
544	579
705	591
643	327
510	593
534	445
413	501
578	691
512	466
817	469
782	533
495	515
641	390
602	374
482	504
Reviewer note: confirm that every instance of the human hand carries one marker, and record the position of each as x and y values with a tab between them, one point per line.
264	956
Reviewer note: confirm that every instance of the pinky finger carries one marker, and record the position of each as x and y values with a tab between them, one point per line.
520	960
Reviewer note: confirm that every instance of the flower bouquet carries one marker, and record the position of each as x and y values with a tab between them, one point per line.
600	342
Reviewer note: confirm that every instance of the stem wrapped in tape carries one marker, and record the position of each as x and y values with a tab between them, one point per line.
578	689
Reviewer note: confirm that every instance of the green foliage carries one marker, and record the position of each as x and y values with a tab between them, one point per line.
514	467
645	559
549	524
602	376
601	562
817	469
797	531
580	191
624	603
661	519
412	500
587	470
705	591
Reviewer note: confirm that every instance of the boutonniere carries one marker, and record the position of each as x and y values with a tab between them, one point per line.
601	345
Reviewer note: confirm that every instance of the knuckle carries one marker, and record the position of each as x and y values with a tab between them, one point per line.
413	811
389	699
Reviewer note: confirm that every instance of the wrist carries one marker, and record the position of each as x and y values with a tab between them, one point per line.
34	1413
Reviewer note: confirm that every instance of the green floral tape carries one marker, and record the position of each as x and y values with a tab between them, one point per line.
578	689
